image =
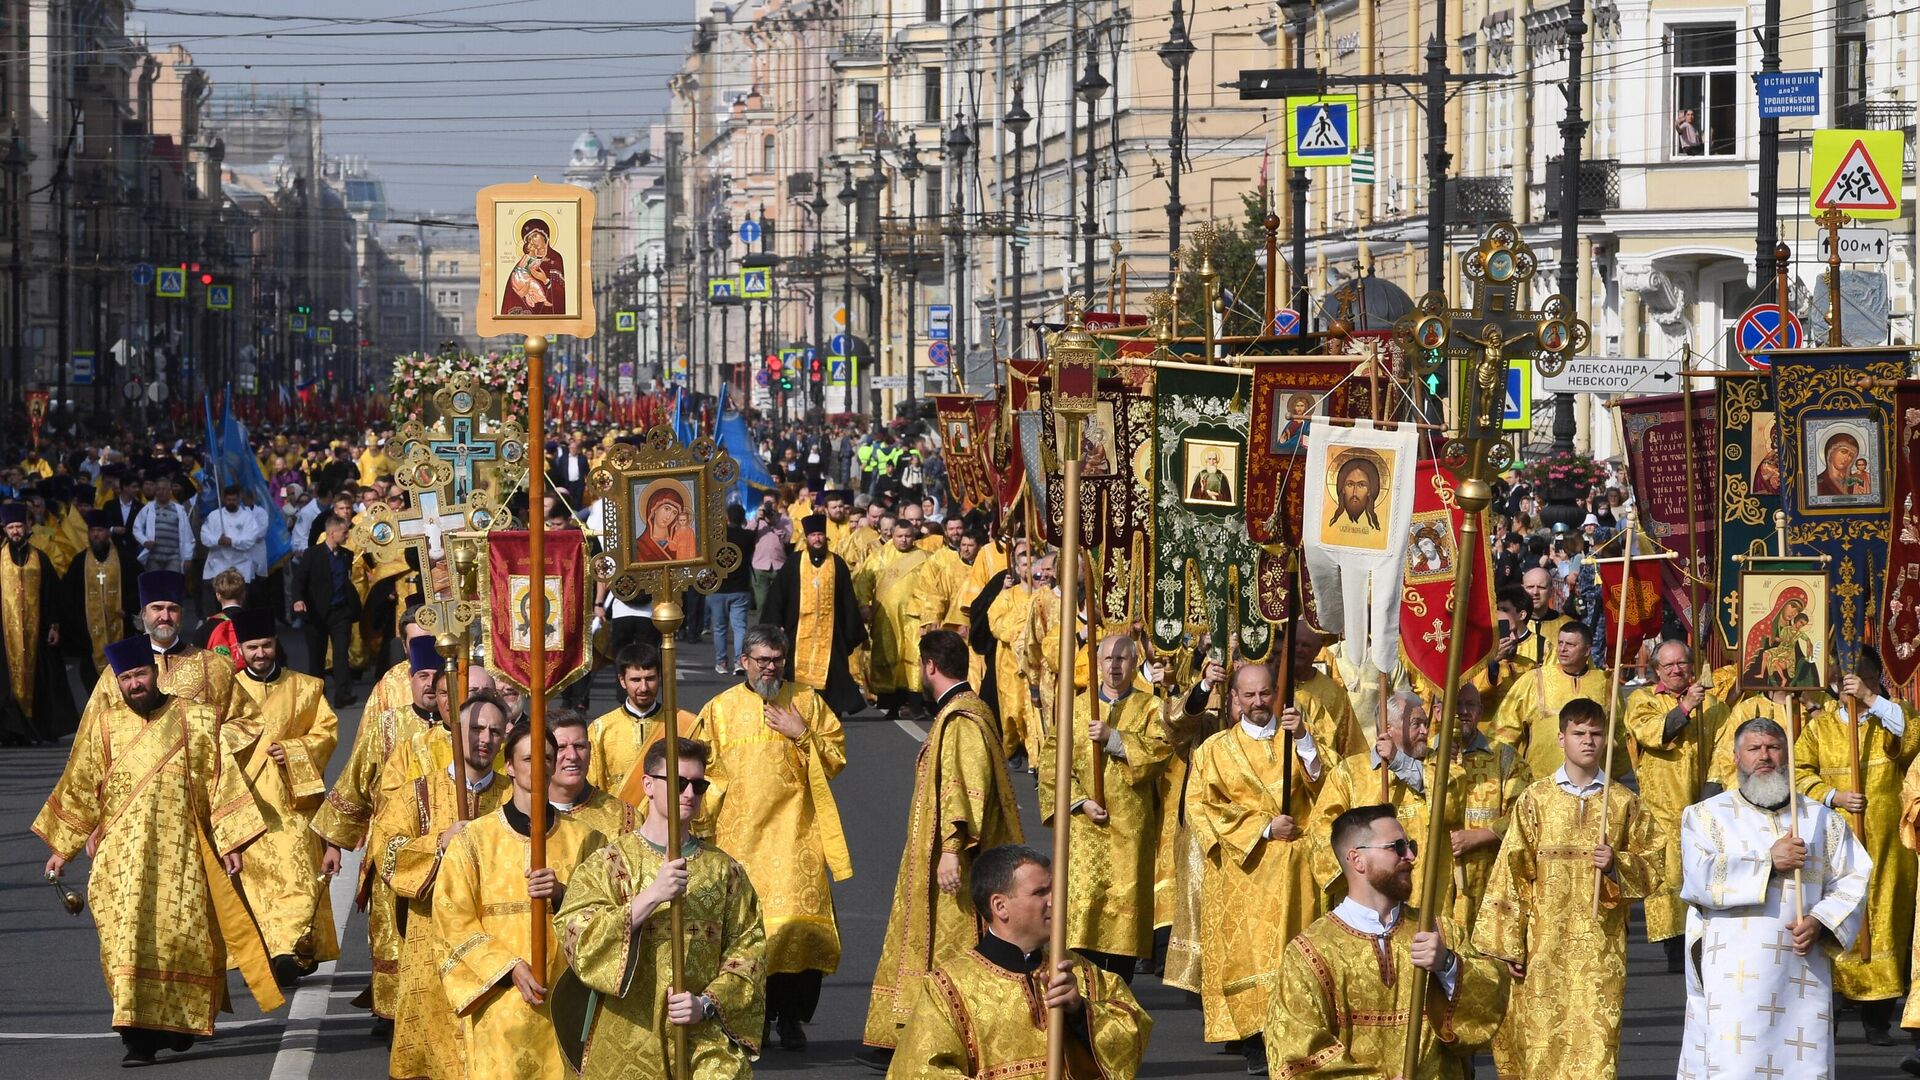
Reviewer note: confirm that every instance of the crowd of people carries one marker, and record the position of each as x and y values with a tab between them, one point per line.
1250	835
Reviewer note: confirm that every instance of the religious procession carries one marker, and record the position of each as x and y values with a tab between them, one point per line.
1209	668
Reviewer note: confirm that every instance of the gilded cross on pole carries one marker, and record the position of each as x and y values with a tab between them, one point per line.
486	456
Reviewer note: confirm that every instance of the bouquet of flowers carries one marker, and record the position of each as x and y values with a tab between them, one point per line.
1578	471
417	375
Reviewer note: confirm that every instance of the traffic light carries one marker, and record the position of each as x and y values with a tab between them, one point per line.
815	371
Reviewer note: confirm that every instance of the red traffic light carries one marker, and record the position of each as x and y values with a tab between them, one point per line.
195	267
206	279
773	364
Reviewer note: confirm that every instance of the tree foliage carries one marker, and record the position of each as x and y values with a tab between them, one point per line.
1241	282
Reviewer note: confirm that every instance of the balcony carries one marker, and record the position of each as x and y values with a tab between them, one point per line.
1878	114
1479	200
866	47
925	236
1599	187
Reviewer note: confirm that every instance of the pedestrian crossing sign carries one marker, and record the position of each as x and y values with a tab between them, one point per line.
1517	412
170	282
219	298
1320	130
836	371
624	322
723	286
756	284
1858	172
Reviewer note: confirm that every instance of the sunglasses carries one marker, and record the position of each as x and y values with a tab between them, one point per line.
699	786
1402	848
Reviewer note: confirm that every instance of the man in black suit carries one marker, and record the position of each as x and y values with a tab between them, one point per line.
324	595
569	470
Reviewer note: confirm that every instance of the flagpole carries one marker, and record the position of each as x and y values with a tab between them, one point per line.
1613	686
537	629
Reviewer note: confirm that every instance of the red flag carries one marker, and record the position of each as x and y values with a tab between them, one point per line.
1645	603
508	583
1429	611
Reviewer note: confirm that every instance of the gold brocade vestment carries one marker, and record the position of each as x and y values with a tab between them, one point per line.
482	920
887	582
1110	907
771	808
1563	1017
167	799
813	636
344	819
194	674
1007	617
938	586
1529	717
618	739
105	602
280	875
963	803
604	813
1257	893
1179	869
1492	776
22	625
1671	776
1822	765
417	804
975	1018
1341	1001
614	994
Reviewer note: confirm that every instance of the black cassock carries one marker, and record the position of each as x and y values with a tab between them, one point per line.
54	713
842	694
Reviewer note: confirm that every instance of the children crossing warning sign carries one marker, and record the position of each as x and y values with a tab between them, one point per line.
1858	172
1320	130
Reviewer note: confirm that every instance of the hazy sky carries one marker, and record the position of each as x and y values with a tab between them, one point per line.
441	98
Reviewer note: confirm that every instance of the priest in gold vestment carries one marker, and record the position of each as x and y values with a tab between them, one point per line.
186	671
1823	772
1179	868
940	585
1247	803
1008	617
962	805
1676	724
1399	771
481	911
403	703
421	812
38	708
1569	968
286	766
1492	776
885	588
163	812
621	735
1344	988
613	1007
984	1012
1111	844
1529	715
775	747
812	599
102	590
568	791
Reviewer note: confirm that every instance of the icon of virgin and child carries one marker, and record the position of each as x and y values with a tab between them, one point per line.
537	284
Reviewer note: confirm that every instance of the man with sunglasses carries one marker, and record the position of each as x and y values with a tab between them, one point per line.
1337	1005
775	747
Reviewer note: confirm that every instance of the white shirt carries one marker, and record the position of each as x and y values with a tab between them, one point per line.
143	528
475	786
241	530
1591	787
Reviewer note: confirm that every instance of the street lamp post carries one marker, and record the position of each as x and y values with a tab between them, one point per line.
1176	52
1017	119
16	163
1573	130
1297	299
817	391
847	196
1091	87
876	180
910	168
959	142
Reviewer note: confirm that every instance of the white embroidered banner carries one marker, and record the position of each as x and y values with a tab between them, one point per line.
1359	504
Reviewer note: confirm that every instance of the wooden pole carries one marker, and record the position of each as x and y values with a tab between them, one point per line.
448	645
1793	804
1860	817
1473	496
537	624
667	618
1613	700
1694	569
1098	780
1069	578
1283	698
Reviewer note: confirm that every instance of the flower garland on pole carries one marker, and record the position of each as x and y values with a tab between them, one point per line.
417	375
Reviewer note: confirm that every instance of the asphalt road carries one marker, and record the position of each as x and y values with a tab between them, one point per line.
54	1014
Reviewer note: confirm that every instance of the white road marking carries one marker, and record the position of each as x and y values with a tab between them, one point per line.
301	1040
911	728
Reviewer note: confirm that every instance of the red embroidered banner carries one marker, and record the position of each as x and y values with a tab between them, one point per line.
1644	598
1657	452
1900	614
1429	611
509	588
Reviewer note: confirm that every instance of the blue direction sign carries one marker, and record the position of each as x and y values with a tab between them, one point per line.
939	353
1286	322
939	322
1760	334
749	231
1787	93
143	274
840	345
170	282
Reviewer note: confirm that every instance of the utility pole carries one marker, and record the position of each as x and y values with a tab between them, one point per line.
1438	160
1768	231
1297	298
1573	131
1018	118
1091	87
817	390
